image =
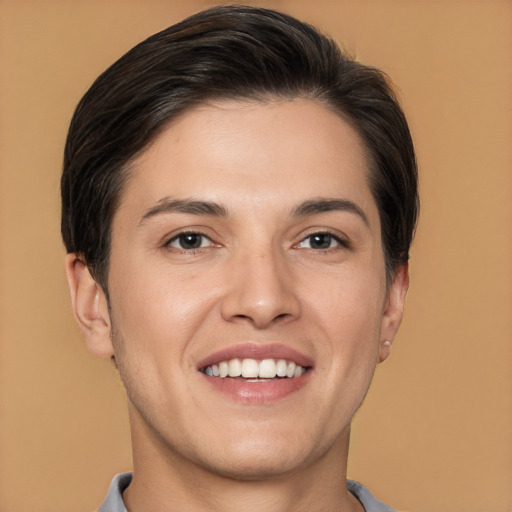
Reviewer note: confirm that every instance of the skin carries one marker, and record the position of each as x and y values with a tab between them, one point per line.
257	278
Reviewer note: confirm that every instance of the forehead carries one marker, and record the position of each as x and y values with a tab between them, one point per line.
280	150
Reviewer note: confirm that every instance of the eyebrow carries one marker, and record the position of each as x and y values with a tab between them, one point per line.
190	206
329	205
195	207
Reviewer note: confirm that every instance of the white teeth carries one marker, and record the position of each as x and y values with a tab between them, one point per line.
253	369
223	369
250	368
281	368
290	371
267	369
235	368
298	371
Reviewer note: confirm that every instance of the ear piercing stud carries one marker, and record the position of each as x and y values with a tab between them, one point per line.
387	343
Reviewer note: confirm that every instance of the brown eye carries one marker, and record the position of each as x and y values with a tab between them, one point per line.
320	241
190	241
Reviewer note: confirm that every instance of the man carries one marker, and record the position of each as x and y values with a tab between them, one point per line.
239	199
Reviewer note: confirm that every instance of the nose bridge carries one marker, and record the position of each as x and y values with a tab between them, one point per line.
260	288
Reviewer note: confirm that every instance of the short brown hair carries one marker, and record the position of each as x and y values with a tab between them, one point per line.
228	52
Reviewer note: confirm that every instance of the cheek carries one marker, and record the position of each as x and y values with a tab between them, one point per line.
153	323
157	317
349	316
152	299
348	303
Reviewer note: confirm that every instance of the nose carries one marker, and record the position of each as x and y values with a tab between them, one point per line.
261	291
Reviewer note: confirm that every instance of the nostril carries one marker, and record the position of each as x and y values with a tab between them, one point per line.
260	297
262	320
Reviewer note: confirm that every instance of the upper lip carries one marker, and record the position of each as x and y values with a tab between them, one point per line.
256	351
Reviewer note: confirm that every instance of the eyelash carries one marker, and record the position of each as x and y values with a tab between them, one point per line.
340	241
192	250
192	233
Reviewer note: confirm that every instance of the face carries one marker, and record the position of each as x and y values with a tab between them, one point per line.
247	284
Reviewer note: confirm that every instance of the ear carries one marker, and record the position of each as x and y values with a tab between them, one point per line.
90	307
394	310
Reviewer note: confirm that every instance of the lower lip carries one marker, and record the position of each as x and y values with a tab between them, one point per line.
258	392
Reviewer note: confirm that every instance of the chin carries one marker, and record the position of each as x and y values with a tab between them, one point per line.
261	455
250	466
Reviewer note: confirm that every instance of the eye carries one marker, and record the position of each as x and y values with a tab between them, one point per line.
189	241
321	241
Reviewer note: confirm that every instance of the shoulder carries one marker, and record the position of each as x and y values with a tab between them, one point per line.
369	502
114	500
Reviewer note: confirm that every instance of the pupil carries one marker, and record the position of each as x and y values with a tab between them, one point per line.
190	241
321	241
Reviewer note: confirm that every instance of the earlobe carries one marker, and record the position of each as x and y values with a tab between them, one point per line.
90	307
392	316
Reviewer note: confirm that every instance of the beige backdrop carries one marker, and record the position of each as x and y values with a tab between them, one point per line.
435	433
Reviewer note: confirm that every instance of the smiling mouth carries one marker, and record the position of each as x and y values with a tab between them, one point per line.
255	370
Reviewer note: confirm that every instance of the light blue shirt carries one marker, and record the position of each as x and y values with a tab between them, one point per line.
114	500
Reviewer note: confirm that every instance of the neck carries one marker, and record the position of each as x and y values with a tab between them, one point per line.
165	480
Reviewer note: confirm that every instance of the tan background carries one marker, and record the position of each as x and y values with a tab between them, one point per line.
435	433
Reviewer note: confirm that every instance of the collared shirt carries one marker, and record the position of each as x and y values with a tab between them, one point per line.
114	500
